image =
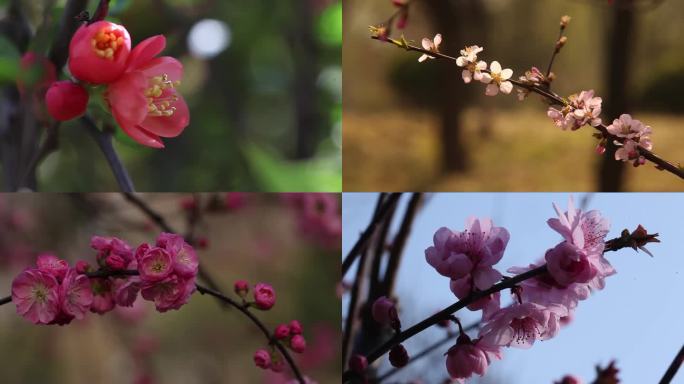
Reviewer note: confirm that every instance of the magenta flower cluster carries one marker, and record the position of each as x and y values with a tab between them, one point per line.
55	293
542	304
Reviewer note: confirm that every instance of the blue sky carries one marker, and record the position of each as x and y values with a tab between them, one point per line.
637	319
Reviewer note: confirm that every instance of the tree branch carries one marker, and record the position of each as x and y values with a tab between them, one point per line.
104	141
673	368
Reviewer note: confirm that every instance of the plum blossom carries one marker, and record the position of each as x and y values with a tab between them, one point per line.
75	294
384	312
170	293
298	343
466	358
264	296
546	291
462	288
262	359
47	262
295	327
144	100
35	293
581	110
472	68
635	134
106	246
471	252
568	264
497	79
533	77
430	45
519	325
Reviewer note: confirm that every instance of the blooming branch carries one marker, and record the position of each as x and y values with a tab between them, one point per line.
575	111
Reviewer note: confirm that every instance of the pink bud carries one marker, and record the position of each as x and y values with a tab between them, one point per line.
53	265
98	52
295	327
358	363
281	332
262	359
264	296
398	356
66	100
385	312
115	262
241	288
82	266
277	365
297	343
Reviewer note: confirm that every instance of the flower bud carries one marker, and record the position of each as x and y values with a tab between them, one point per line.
295	327
398	356
264	296
298	343
564	21
385	312
262	359
115	262
241	288
281	332
358	363
66	100
82	266
98	52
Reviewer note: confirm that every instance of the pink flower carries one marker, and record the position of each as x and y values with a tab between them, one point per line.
581	110
262	359
462	288
144	101
467	358
66	100
295	327
241	288
36	296
385	312
568	264
75	294
585	230
632	129
106	246
170	293
472	68
53	265
154	265
473	251
497	79
115	262
519	325
264	296
126	291
282	331
546	291
103	299
98	52
298	343
82	266
185	259
430	45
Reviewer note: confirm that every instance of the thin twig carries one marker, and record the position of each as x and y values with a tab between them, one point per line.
366	235
258	323
50	144
104	142
554	98
673	368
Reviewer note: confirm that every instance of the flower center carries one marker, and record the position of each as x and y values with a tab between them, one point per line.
107	42
160	95
40	293
496	77
525	329
158	266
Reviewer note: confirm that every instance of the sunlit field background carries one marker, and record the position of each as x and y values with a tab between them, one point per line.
395	108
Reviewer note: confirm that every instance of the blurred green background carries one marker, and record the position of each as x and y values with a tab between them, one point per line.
200	342
263	82
446	135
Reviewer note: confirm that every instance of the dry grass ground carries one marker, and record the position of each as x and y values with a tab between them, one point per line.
390	150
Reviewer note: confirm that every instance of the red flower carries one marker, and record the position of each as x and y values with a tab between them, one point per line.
98	52
66	100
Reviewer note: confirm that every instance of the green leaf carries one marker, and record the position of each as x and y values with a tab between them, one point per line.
330	24
276	174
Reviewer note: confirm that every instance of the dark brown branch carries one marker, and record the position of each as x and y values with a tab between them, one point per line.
399	242
104	142
366	235
352	309
674	367
101	11
555	99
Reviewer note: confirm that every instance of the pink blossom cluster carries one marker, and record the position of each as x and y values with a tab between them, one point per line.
291	336
542	304
319	216
580	110
140	87
55	293
634	134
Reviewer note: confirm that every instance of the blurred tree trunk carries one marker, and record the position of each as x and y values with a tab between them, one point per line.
460	22
305	51
620	44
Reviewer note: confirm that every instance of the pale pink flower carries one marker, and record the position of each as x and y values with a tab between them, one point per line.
471	252
561	117
155	264
430	45
53	265
264	296
632	129
586	231
462	288
75	294
519	325
532	77
472	68
467	358
262	359
546	291
628	151
585	109
568	264
384	312
36	296
497	79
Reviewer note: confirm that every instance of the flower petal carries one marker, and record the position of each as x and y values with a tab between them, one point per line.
169	126
495	67
145	51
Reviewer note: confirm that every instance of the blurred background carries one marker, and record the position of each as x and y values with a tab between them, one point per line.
446	135
262	79
200	342
631	320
